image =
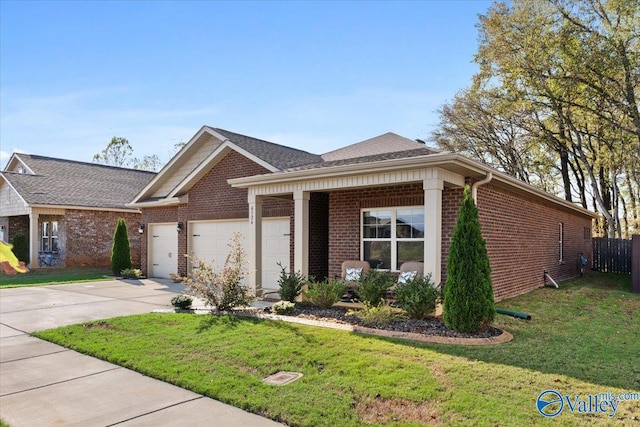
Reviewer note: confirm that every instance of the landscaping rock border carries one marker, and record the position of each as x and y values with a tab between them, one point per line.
503	337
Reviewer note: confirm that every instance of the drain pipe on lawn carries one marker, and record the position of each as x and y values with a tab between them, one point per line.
475	185
547	277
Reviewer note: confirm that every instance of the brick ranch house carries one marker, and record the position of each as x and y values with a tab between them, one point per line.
68	209
386	200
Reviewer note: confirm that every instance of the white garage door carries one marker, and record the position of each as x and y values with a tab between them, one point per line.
163	250
209	241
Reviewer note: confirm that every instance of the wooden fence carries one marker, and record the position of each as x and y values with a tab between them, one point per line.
612	255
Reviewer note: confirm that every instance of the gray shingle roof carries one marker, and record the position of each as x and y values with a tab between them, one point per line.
277	155
380	144
71	183
423	151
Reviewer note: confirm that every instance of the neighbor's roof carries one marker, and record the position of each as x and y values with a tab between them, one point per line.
60	182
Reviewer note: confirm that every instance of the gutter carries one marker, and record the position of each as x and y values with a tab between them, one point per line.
475	185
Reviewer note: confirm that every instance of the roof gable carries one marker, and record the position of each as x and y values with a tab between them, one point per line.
379	145
61	182
205	149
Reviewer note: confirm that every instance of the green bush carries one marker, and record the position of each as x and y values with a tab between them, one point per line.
120	251
325	294
372	316
468	294
131	273
21	247
182	301
374	286
290	284
418	297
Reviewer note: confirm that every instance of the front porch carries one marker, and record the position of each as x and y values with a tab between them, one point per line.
366	217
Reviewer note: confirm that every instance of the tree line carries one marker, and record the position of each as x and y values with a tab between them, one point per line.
119	152
555	103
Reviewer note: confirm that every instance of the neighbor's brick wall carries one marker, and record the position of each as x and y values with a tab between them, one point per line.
521	232
344	217
212	198
89	236
17	225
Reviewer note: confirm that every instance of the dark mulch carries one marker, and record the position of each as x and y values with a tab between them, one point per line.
428	326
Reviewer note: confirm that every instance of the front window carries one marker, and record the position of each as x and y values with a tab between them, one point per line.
392	236
50	236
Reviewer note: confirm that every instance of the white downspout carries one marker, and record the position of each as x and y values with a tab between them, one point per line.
475	185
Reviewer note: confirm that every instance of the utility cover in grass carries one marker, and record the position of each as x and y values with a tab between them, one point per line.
282	378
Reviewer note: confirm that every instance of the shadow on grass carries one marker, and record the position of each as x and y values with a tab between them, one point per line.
588	330
230	321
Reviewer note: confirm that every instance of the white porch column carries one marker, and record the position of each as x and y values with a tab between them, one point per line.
301	231
255	243
433	228
34	237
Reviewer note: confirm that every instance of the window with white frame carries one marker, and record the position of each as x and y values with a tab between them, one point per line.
392	236
561	242
50	236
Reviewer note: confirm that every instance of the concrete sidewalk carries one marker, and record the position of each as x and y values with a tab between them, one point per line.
43	384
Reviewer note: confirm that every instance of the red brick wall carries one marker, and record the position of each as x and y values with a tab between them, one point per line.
522	240
17	225
88	236
212	198
521	232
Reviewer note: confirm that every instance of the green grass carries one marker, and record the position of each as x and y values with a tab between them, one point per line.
582	339
50	276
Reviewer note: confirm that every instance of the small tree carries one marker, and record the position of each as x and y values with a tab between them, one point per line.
21	247
468	294
222	290
120	251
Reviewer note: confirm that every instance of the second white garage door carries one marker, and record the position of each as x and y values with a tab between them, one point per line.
209	241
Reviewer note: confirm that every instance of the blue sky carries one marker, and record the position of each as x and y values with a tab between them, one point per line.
311	75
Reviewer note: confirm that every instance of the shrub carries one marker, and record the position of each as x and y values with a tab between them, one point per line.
283	307
176	277
325	294
120	251
290	284
222	290
468	294
376	315
182	301
418	297
21	247
374	286
131	273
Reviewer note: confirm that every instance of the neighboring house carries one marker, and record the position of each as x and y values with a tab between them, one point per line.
68	209
386	200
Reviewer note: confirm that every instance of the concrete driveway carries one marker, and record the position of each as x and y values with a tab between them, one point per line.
43	384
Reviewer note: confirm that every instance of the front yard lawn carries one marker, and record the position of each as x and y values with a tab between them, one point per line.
51	276
582	340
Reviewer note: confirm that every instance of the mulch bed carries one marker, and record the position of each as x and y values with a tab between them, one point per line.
433	326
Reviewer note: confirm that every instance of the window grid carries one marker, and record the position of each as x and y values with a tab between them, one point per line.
392	234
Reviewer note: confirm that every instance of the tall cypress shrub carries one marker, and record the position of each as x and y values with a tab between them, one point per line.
468	294
120	251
